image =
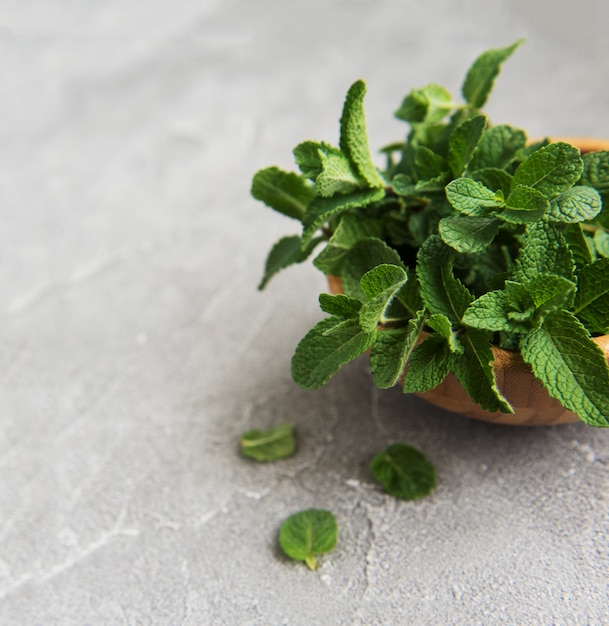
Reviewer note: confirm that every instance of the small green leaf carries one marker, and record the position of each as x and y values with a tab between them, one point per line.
308	157
353	135
340	305
468	234
580	245
577	204
592	300
494	179
287	251
463	142
552	169
286	192
307	534
337	175
489	312
481	75
380	285
326	348
428	366
428	164
498	147
601	242
429	104
472	198
391	350
404	472
550	292
269	445
441	324
524	205
596	171
570	365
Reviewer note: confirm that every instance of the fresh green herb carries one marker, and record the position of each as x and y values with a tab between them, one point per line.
469	237
269	445
404	472
307	534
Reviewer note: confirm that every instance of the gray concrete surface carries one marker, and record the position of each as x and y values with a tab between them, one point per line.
134	348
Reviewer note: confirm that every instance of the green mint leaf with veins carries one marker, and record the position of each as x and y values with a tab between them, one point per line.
441	324
269	445
596	171
286	192
550	292
307	534
472	198
475	372
581	246
490	312
577	204
481	75
340	305
552	170
428	366
544	251
462	143
497	148
328	346
494	179
572	368
380	286
524	205
287	251
350	229
601	243
365	255
392	349
320	210
353	135
592	300
308	157
430	104
404	472
468	234
337	175
440	290
428	164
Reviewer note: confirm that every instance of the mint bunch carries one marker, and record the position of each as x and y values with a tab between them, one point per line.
469	237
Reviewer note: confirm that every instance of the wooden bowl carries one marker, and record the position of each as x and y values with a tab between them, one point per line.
532	404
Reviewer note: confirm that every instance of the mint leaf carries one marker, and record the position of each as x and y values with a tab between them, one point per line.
468	234
580	245
481	75
287	251
494	179
353	136
391	350
441	324
544	251
472	198
337	175
550	292
429	104
490	312
575	205
571	367
307	534
269	445
524	205
475	372
463	142
428	164
326	348
440	290
428	366
552	170
596	171
592	300
404	472
340	305
498	147
320	210
601	242
308	157
286	192
380	285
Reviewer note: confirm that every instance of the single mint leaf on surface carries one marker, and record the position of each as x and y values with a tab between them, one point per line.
380	286
577	204
570	365
320	210
441	324
286	192
307	534
550	292
481	75
468	234
601	242
472	198
428	366
337	175
463	142
391	350
404	472
287	251
431	103
592	300
365	255
475	372
440	290
490	312
544	251
552	170
353	134
269	445
498	147
326	348
340	305
524	205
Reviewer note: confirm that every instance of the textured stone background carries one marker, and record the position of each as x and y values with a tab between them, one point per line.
134	348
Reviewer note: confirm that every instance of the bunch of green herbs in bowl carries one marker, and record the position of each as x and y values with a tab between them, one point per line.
474	265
